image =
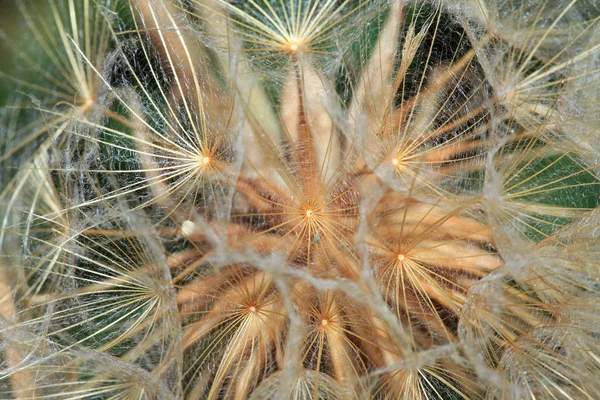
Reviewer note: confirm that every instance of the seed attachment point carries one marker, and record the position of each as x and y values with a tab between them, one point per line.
88	103
293	47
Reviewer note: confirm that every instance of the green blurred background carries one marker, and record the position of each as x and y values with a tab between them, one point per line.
10	25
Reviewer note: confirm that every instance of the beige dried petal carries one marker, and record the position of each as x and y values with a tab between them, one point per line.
304	106
376	82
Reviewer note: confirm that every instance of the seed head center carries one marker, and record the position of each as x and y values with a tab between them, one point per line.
205	160
401	257
310	213
252	309
395	161
293	47
89	102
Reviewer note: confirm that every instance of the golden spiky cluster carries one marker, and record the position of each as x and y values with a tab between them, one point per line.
303	199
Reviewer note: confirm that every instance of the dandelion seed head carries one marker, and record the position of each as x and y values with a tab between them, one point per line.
399	261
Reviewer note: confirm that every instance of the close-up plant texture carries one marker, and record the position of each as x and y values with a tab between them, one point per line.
300	199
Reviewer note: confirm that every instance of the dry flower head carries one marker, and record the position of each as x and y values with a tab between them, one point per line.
302	199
